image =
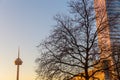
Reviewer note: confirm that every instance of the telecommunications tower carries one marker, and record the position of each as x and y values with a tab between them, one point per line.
18	62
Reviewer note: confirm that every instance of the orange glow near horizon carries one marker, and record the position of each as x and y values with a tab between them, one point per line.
99	75
23	23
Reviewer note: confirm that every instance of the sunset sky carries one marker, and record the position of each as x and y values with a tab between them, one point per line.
25	23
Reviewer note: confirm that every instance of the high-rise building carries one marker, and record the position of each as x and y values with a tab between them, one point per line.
113	9
108	18
109	15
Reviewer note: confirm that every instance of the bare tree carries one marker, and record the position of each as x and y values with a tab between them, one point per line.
116	60
72	47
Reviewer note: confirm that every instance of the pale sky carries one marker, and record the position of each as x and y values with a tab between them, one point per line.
25	23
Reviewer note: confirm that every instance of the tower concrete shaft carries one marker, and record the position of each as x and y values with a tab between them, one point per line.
17	78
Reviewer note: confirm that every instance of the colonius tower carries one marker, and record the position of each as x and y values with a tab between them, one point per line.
109	38
18	62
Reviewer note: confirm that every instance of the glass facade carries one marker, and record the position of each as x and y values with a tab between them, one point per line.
113	10
111	39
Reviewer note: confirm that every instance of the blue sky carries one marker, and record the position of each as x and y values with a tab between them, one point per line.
25	23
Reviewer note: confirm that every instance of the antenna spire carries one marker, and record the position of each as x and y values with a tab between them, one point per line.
18	52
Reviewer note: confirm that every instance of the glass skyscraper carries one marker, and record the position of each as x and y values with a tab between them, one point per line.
113	9
108	11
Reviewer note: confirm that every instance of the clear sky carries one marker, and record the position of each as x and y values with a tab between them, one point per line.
24	23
